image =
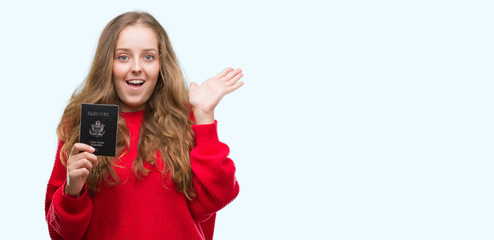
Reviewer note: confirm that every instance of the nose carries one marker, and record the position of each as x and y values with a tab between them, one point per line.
136	66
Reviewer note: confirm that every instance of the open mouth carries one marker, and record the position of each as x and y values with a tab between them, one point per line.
135	83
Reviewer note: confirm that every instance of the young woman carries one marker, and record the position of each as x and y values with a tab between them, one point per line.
171	174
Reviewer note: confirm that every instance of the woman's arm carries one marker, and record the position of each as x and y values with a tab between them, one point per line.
214	180
214	173
67	217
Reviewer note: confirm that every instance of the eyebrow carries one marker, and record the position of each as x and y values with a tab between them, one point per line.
127	49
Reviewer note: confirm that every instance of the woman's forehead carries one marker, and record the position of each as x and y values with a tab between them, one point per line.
137	37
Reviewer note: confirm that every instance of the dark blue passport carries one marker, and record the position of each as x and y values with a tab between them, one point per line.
99	127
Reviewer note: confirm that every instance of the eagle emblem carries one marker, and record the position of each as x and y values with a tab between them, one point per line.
97	129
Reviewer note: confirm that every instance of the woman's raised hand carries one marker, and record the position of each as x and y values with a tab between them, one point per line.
81	161
205	97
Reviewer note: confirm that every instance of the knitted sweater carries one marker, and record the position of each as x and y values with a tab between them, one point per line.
144	208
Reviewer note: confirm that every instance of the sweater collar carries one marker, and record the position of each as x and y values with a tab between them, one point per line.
133	116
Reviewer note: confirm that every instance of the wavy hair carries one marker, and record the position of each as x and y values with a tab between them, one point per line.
167	106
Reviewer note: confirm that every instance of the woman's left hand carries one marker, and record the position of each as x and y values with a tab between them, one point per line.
205	97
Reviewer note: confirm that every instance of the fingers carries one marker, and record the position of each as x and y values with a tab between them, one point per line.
235	86
81	172
234	79
82	163
78	168
224	72
83	151
234	83
90	157
232	74
82	160
81	147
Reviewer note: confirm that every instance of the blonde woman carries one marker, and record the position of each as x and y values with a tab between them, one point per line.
171	174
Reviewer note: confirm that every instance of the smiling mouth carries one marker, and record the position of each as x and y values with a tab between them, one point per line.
135	82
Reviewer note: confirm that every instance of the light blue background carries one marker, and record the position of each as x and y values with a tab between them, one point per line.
358	119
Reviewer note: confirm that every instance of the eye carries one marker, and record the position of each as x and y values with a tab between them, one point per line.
123	58
149	57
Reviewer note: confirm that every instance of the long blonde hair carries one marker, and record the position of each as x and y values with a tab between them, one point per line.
167	106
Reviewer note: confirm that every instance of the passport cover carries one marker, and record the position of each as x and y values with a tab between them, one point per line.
99	127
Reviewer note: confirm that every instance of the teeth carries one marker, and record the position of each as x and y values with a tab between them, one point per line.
135	81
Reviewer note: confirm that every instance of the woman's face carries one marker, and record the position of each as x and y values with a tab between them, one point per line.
136	67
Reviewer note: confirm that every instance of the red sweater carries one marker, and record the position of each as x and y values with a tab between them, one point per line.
143	208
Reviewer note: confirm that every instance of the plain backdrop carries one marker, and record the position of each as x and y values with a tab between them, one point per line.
358	119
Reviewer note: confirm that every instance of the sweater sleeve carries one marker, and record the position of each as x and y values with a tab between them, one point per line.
214	173
67	217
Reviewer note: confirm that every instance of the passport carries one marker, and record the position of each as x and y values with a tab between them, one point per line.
99	127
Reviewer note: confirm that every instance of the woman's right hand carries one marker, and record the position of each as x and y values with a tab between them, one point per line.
81	161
